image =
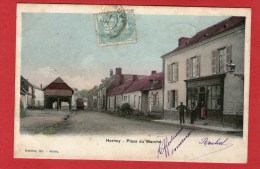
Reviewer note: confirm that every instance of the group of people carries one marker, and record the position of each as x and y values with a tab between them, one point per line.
195	110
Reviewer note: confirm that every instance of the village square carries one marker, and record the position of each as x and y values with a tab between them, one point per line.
205	73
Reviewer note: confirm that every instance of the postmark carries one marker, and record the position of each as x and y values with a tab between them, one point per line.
116	26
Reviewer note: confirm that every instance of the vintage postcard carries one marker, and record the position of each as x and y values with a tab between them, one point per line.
135	83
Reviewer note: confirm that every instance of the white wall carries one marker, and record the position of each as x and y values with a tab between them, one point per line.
39	98
236	39
131	101
150	95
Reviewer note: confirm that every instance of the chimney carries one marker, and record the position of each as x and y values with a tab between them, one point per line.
134	77
118	71
182	41
111	72
41	86
153	72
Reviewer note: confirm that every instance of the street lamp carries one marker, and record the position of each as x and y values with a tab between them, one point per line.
231	69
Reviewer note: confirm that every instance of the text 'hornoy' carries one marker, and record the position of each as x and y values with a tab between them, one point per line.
132	141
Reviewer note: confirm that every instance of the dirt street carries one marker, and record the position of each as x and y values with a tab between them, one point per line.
38	120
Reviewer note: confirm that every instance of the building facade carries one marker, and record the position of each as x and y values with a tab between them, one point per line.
92	98
197	73
39	97
27	93
143	94
108	84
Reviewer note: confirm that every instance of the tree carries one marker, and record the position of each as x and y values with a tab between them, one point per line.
83	93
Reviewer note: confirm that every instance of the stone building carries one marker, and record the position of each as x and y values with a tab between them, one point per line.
198	71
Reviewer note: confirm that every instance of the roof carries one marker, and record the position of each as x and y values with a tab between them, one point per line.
22	91
25	83
58	84
211	31
146	83
119	89
93	91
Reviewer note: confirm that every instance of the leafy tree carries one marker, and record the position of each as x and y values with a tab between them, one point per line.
83	93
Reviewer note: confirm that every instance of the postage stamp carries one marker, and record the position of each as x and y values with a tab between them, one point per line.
115	27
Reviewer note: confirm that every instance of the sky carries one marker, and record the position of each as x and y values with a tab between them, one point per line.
65	45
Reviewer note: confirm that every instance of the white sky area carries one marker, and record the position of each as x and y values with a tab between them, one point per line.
65	45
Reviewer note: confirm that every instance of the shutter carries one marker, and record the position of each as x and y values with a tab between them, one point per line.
176	71
213	62
168	99
198	66
168	72
187	68
229	54
176	98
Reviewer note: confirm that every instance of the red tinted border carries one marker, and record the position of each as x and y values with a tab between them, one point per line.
7	76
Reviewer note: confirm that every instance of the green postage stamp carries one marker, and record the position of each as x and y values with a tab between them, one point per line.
115	27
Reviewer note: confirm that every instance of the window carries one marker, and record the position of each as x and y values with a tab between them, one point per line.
214	97
128	98
172	99
155	100
193	67
221	56
172	72
125	98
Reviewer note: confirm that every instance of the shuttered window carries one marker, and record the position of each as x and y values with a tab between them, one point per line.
172	72
221	61
187	68
213	62
220	58
193	67
172	99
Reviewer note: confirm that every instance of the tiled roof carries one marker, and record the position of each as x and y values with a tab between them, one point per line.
119	89
146	83
93	91
58	84
211	31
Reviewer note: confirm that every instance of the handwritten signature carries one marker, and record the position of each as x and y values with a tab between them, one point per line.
222	143
164	146
206	141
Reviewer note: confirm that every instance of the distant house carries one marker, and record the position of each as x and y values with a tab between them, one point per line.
92	98
23	97
108	84
39	97
27	93
143	94
56	93
197	72
115	96
75	96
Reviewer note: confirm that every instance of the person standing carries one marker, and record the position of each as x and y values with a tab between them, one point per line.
181	109
194	112
202	111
